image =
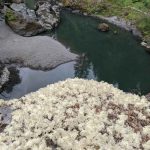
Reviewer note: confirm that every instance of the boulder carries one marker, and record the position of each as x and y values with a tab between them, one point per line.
146	45
103	27
29	22
48	15
22	23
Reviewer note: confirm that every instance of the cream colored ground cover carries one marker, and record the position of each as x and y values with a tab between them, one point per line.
78	114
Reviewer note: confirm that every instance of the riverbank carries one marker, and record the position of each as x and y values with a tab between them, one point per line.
38	52
127	16
76	114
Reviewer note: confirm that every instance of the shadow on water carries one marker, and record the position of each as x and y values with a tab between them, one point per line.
115	58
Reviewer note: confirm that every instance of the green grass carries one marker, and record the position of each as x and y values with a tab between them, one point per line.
144	25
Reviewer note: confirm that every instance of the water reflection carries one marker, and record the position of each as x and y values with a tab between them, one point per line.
82	66
27	80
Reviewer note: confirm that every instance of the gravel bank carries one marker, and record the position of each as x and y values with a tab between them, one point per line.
77	114
40	52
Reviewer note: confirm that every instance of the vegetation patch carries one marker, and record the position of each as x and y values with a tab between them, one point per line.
144	25
10	15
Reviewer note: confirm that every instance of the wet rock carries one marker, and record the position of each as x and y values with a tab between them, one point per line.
103	27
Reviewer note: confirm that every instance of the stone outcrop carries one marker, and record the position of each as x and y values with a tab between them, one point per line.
28	22
48	14
77	114
103	27
21	24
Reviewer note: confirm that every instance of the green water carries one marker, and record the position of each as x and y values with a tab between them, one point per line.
115	58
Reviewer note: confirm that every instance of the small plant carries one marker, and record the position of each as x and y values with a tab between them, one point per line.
10	15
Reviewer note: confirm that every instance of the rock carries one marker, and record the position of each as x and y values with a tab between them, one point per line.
18	7
143	43
23	10
103	27
85	14
48	15
4	76
76	11
22	24
146	45
29	22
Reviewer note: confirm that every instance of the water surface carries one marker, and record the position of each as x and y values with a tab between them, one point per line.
116	58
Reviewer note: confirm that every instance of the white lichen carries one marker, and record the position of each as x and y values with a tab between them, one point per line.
78	114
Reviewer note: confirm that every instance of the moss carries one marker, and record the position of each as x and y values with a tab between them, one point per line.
10	15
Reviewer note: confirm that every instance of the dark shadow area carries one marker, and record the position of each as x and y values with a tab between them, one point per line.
13	80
